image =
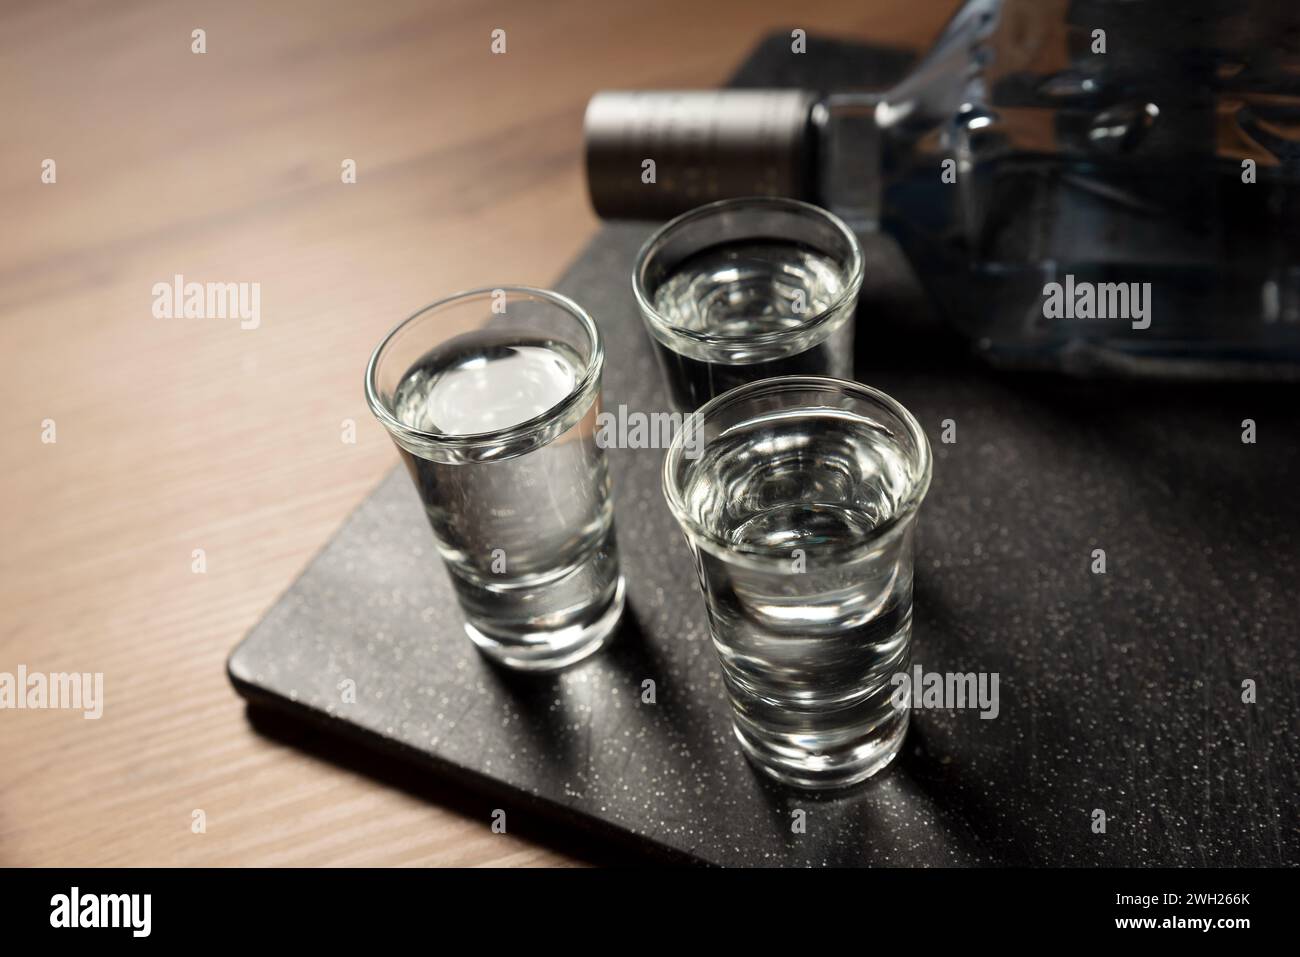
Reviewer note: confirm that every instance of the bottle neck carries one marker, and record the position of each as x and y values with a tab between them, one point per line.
848	158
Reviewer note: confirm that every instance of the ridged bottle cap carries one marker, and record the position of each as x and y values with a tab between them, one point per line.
705	145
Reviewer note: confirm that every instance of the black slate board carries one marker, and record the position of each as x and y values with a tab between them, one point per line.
1119	691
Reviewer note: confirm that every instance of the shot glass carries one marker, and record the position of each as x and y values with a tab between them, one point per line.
491	397
800	510
747	289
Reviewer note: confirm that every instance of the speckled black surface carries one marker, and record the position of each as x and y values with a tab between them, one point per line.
1119	691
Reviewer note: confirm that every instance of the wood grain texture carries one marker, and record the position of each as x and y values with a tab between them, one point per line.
175	435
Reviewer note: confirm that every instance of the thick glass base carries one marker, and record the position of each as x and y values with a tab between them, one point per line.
805	762
552	650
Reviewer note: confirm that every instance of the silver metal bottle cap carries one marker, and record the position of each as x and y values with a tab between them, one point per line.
651	155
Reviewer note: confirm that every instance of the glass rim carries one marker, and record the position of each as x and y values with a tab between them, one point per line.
852	287
469	440
918	487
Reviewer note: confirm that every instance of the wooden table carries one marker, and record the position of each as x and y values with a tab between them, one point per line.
175	435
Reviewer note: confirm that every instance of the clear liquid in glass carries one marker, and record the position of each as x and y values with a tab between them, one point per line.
742	290
810	637
527	531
